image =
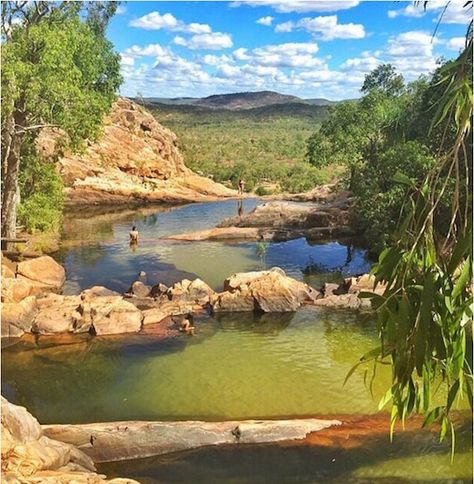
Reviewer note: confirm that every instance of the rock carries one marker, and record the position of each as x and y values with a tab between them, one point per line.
237	301
135	159
29	456
165	310
97	291
7	272
17	318
130	440
267	291
343	301
282	221
329	289
138	289
57	314
158	290
196	291
43	270
14	290
113	315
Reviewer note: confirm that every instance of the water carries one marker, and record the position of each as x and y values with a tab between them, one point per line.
96	250
236	366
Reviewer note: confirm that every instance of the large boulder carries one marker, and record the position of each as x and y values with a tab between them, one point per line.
44	271
28	455
57	314
112	315
267	291
197	292
16	289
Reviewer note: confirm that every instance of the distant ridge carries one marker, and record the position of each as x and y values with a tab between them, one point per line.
238	101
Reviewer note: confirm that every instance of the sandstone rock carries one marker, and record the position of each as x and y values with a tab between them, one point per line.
330	288
267	291
343	301
18	318
7	272
57	315
97	291
196	291
135	159
139	289
165	310
14	290
129	440
43	270
29	456
237	301
113	315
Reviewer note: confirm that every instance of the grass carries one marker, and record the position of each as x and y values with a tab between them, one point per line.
264	146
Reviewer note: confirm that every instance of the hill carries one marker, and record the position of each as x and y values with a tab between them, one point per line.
238	101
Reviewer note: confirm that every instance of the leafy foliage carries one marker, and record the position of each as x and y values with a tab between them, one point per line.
425	314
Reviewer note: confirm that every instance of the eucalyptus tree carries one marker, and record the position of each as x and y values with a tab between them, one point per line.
58	71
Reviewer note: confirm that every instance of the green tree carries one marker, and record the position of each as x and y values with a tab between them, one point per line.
58	70
384	78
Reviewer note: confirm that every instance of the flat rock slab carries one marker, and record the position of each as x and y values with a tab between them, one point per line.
105	442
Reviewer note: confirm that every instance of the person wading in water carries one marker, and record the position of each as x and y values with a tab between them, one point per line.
241	186
134	235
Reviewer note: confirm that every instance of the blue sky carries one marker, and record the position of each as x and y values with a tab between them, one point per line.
306	48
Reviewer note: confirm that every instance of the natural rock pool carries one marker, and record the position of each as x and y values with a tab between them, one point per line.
236	366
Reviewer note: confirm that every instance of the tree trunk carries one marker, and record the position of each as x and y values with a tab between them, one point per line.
12	141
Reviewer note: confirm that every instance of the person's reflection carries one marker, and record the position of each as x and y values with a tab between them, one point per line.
240	208
133	245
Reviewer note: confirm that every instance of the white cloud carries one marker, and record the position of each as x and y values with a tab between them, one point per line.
455	12
265	20
121	10
215	60
291	54
361	64
411	44
301	6
156	21
241	54
212	41
324	27
456	43
150	50
127	60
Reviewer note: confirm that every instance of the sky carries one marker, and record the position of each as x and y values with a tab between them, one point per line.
311	49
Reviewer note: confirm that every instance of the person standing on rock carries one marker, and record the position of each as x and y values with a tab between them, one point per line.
134	235
241	186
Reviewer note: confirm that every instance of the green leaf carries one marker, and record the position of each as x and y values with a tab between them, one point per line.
403	179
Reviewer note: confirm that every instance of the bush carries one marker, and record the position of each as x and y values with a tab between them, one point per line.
379	197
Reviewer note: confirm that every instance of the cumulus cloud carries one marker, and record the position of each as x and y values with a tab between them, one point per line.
455	12
265	20
150	50
411	53
324	27
241	54
127	60
167	21
300	6
456	43
212	41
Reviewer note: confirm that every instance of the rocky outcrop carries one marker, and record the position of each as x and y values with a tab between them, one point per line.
29	455
22	283
265	291
130	440
135	160
283	221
